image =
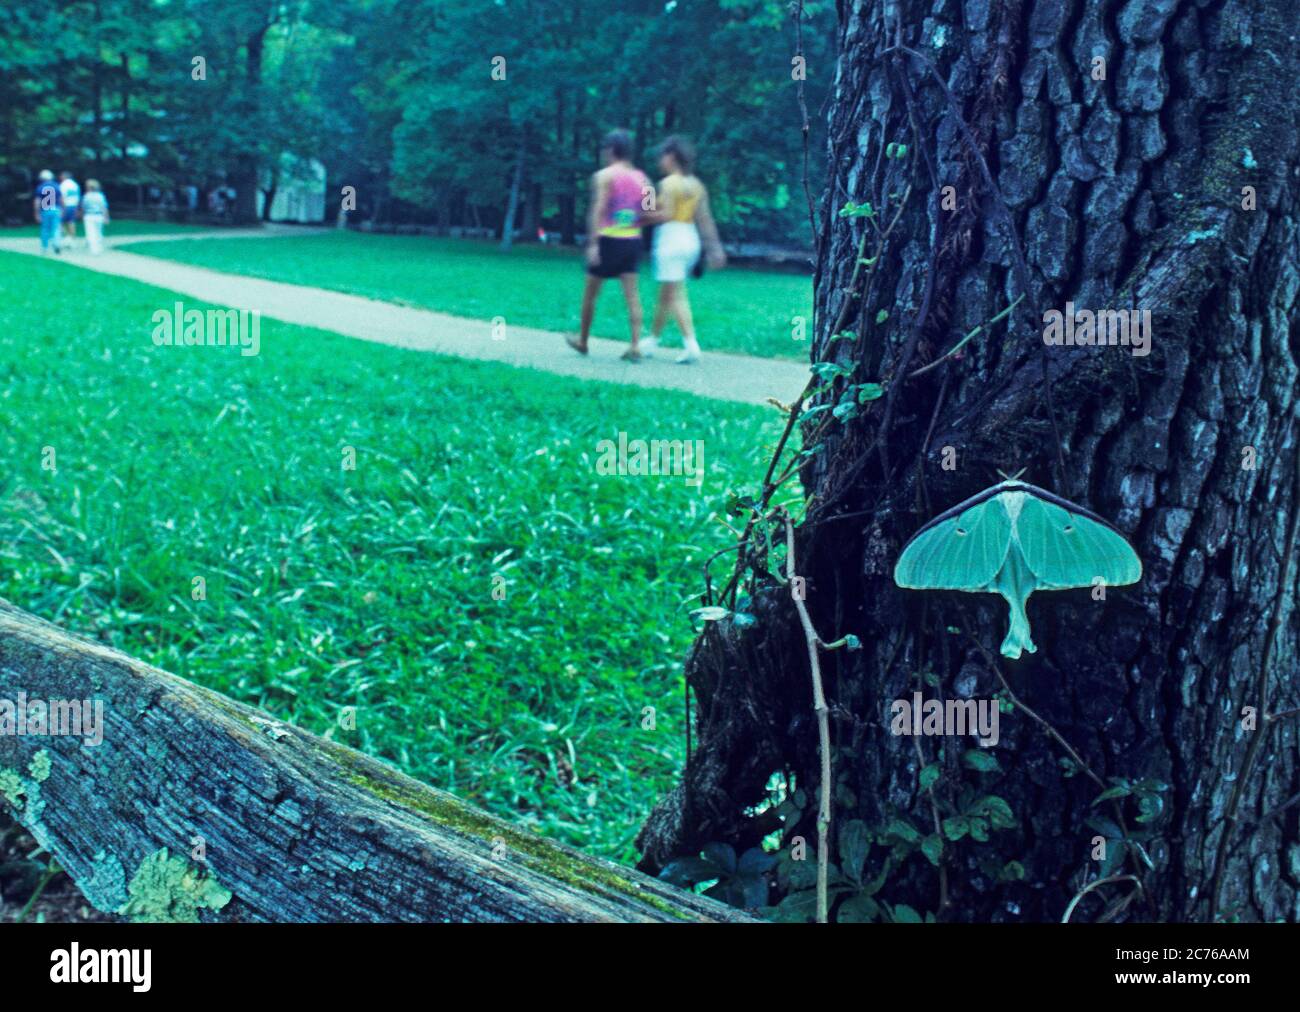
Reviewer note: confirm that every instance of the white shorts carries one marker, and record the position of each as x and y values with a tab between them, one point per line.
676	249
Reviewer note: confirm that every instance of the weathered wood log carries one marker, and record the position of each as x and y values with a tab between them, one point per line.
195	807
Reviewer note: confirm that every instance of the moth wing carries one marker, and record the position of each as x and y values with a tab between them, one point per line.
1066	549
963	552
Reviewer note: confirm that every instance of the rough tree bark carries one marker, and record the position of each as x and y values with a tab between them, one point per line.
1120	193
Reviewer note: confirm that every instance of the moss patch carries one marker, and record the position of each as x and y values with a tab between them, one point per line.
39	768
11	788
168	890
584	874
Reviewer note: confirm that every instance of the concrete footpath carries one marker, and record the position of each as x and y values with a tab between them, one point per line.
728	377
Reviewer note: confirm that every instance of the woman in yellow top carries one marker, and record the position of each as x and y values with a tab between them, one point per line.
683	218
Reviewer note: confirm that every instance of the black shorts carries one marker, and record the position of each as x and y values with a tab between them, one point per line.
617	256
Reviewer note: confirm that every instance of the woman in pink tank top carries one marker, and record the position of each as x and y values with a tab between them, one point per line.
620	193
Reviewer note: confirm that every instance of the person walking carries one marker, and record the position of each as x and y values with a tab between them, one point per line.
71	194
684	228
620	191
94	212
47	208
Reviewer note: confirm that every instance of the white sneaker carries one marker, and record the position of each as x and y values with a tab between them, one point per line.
648	346
690	354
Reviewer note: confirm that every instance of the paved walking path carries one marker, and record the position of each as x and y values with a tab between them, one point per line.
721	376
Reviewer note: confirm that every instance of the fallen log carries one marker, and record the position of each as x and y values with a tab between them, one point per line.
191	806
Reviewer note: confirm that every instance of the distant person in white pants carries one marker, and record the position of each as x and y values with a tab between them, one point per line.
682	219
71	194
94	214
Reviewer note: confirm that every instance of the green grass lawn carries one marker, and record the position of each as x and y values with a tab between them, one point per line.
122	226
328	588
739	309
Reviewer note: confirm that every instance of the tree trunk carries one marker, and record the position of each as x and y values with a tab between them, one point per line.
569	199
97	93
568	215
125	109
444	212
512	204
1122	193
172	802
532	213
268	195
245	176
244	180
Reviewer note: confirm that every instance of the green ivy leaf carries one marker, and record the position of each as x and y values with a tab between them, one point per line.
855	842
797	908
1119	791
796	875
929	774
755	861
1012	871
997	810
830	370
1105	827
1114	857
859	909
1149	807
687	871
980	761
852	210
721	854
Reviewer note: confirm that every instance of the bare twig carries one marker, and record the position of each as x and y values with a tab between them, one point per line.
1052	732
962	343
1110	880
46	878
815	645
805	127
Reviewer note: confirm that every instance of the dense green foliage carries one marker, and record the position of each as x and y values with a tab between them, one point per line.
371	588
737	309
398	98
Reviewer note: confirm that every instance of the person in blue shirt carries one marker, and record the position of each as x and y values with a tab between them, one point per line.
47	208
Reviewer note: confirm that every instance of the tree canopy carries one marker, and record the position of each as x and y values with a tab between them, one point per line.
431	110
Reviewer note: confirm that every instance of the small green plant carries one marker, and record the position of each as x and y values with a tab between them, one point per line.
741	881
852	210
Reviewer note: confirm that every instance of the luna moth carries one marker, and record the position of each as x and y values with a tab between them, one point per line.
1013	539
